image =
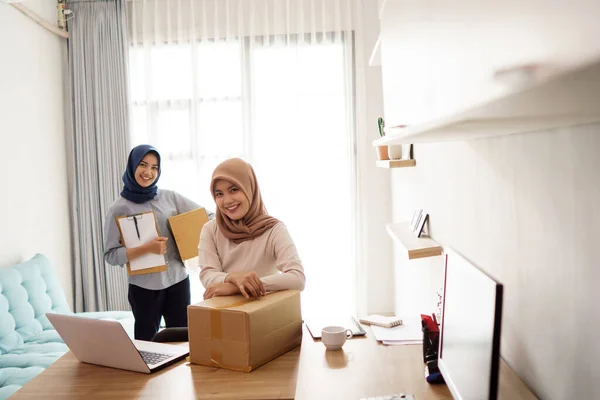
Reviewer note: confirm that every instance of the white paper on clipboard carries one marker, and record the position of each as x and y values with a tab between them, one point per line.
146	226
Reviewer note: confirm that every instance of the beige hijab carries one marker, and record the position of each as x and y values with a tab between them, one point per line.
256	221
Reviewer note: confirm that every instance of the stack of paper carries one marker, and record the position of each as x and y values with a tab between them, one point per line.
408	333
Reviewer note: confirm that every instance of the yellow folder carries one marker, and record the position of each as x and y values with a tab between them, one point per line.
186	229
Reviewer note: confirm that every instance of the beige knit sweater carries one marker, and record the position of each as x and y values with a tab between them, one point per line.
272	256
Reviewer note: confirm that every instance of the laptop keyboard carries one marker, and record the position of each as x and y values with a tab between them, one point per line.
154	358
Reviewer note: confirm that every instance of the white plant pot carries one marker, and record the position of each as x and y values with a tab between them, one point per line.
395	152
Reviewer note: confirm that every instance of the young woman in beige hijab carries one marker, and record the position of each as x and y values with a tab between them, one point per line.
245	250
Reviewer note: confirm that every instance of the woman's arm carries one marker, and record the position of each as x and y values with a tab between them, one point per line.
287	261
211	271
114	252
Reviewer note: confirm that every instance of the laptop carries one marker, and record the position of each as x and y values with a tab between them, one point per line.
106	343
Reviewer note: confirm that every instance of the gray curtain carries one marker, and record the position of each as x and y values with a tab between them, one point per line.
98	145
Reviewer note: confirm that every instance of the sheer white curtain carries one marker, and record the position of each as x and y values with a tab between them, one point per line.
270	81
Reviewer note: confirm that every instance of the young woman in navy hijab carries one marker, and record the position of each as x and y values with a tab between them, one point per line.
160	294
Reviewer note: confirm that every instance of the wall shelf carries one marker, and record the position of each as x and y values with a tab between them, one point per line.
416	247
396	163
569	99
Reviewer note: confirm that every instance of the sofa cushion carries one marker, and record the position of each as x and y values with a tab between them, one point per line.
27	292
28	341
43	357
11	379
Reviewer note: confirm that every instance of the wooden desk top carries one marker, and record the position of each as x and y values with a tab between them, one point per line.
363	368
69	378
366	368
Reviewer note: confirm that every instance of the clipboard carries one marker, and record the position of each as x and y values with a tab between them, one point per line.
136	230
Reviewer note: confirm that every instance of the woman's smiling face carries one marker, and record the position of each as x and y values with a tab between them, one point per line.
147	170
231	201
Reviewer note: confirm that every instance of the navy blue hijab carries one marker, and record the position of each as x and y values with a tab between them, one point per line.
131	190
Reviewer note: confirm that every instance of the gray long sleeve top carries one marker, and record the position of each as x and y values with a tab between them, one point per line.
166	204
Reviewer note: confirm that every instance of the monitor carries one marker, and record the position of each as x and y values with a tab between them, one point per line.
469	352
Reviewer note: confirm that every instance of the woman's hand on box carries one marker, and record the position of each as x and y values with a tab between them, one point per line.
248	283
220	289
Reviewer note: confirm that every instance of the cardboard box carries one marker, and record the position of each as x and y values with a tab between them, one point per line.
242	334
186	229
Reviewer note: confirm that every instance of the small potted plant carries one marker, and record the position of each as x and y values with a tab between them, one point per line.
382	151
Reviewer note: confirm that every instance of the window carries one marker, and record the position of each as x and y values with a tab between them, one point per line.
284	106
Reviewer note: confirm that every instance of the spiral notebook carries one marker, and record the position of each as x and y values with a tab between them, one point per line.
380	320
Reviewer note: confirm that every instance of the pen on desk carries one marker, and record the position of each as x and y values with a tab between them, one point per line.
137	230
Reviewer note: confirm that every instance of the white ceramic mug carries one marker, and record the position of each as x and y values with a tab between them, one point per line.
334	337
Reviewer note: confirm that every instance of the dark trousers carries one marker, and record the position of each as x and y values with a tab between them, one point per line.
149	306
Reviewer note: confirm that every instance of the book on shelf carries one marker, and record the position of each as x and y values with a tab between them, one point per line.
380	320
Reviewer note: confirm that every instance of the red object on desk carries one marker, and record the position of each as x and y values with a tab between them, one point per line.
430	323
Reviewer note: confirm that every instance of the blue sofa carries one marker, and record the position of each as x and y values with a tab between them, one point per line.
28	342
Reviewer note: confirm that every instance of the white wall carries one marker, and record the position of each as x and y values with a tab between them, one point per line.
34	201
376	286
524	208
